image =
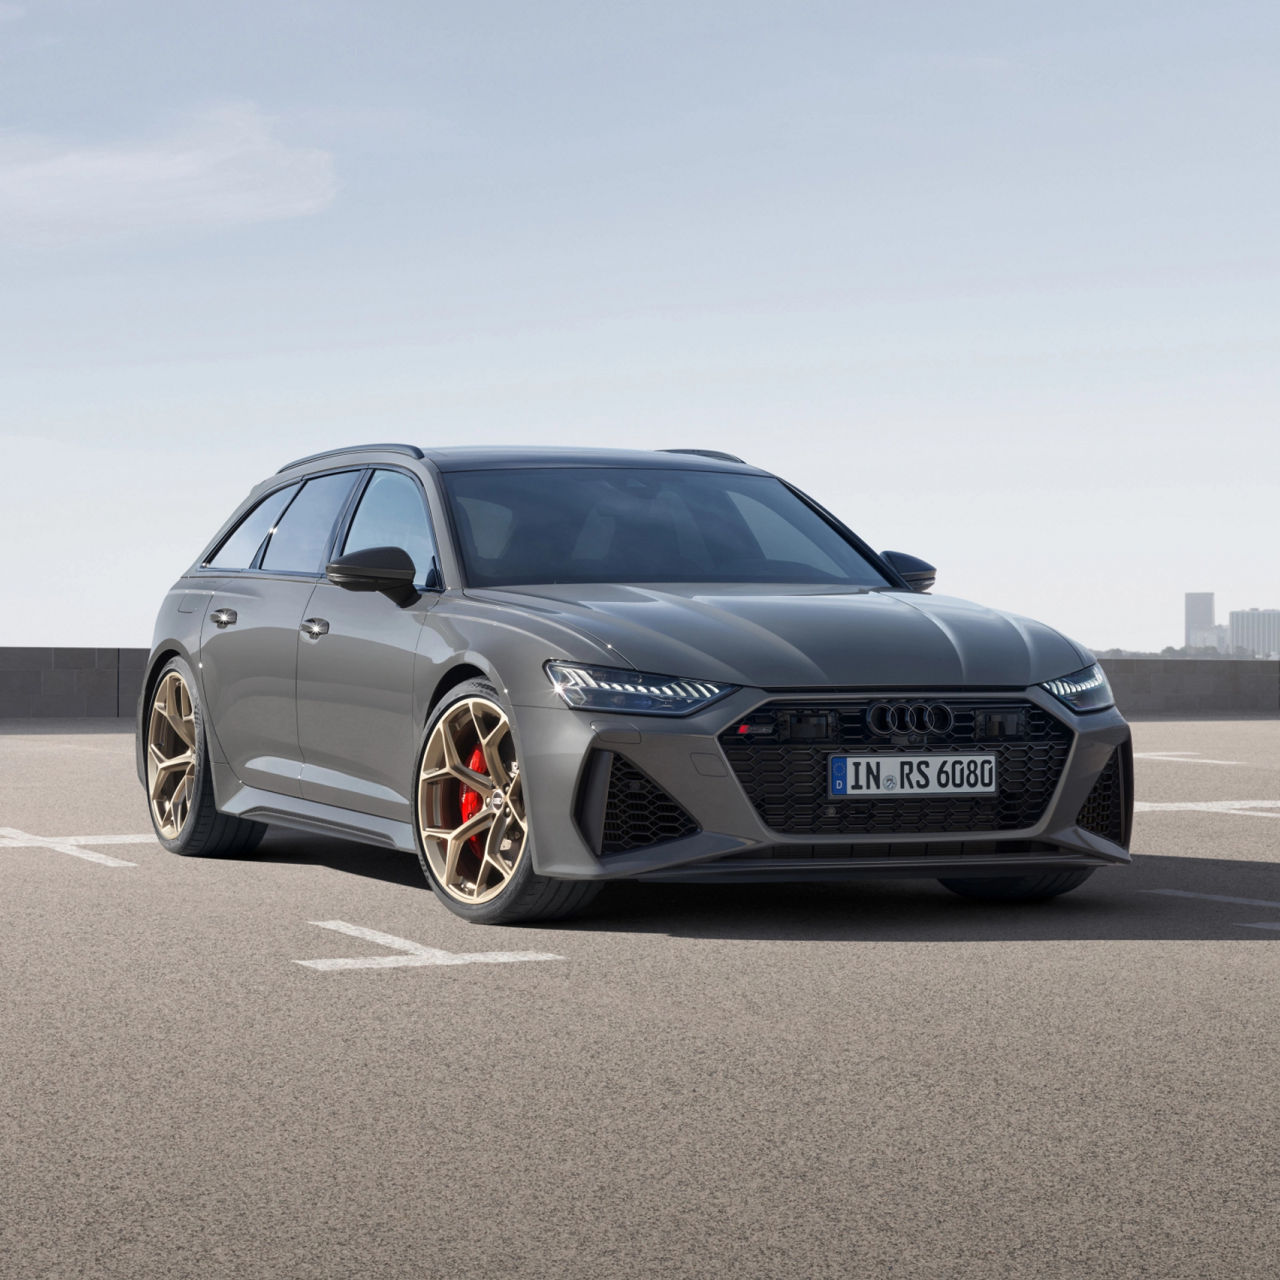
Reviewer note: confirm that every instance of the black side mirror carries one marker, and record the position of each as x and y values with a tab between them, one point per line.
387	569
918	574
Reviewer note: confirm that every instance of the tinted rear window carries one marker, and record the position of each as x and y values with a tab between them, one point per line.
239	550
597	524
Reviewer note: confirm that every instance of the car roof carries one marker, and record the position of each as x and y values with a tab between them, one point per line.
493	457
488	457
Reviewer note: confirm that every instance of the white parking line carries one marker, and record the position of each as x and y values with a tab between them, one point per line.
11	838
1215	897
413	953
1222	897
1243	808
1180	757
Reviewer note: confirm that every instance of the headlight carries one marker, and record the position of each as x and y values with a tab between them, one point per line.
1085	690
633	692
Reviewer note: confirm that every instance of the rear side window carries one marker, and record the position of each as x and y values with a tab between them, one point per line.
239	550
392	513
301	538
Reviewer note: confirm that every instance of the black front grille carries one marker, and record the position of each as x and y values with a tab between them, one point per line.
1103	812
780	752
638	813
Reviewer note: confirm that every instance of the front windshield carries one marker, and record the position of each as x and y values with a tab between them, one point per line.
625	525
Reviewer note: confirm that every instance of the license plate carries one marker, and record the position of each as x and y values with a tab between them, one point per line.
932	775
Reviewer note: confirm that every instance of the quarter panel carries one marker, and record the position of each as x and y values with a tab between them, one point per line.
177	631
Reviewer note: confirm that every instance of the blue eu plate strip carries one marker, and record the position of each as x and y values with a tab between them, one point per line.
839	776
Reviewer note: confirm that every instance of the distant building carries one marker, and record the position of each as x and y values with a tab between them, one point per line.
1256	631
1200	631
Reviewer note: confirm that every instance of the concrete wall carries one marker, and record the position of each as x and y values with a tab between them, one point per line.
105	682
1194	686
72	683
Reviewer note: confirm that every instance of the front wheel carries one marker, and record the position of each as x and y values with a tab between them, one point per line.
472	826
1051	884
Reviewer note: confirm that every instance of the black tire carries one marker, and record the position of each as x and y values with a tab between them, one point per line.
1032	888
205	833
526	896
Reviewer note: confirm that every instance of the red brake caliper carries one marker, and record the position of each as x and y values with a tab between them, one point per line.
470	802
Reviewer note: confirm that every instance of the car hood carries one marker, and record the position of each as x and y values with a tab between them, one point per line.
803	637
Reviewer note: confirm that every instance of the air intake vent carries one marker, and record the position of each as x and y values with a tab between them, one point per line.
620	808
1103	812
639	813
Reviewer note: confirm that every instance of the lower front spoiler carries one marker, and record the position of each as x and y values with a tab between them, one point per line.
757	870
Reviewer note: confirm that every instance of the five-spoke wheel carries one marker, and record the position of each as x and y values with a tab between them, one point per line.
473	830
171	754
470	801
184	811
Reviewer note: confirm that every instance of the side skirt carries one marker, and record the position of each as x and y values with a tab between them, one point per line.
321	819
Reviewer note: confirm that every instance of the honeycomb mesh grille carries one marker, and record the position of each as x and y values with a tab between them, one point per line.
1103	811
785	775
638	813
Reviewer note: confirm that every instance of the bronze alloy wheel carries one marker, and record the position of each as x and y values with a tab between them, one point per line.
470	802
171	754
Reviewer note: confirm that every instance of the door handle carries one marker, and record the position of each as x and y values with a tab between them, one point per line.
224	617
314	628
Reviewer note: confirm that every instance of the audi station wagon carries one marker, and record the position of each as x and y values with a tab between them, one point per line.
543	669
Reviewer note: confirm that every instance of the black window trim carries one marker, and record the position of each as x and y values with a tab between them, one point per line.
863	548
203	565
255	565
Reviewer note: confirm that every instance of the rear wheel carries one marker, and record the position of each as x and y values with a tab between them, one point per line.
1050	884
473	831
179	782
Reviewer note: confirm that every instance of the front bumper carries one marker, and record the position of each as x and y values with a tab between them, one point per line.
733	827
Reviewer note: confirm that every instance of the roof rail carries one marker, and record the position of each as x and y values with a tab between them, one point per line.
707	453
411	449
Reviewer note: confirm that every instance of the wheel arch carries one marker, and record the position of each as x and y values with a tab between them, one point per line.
155	665
467	669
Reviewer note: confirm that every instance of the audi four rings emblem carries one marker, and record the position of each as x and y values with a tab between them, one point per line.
886	718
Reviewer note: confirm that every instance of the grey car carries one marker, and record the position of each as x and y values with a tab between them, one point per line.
542	669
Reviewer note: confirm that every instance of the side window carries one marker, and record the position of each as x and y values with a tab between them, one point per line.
392	513
238	551
301	538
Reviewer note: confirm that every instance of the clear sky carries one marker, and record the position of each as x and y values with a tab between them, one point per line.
997	282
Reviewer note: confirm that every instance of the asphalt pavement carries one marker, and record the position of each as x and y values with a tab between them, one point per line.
855	1081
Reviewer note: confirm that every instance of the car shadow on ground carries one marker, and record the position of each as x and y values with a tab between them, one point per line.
1116	904
1120	903
298	848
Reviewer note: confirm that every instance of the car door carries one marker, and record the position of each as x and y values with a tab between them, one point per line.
357	726
249	639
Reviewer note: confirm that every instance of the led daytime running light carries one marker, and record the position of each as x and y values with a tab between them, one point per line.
616	689
1067	687
1086	690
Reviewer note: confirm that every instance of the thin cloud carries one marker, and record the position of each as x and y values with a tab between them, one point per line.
224	170
11	12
